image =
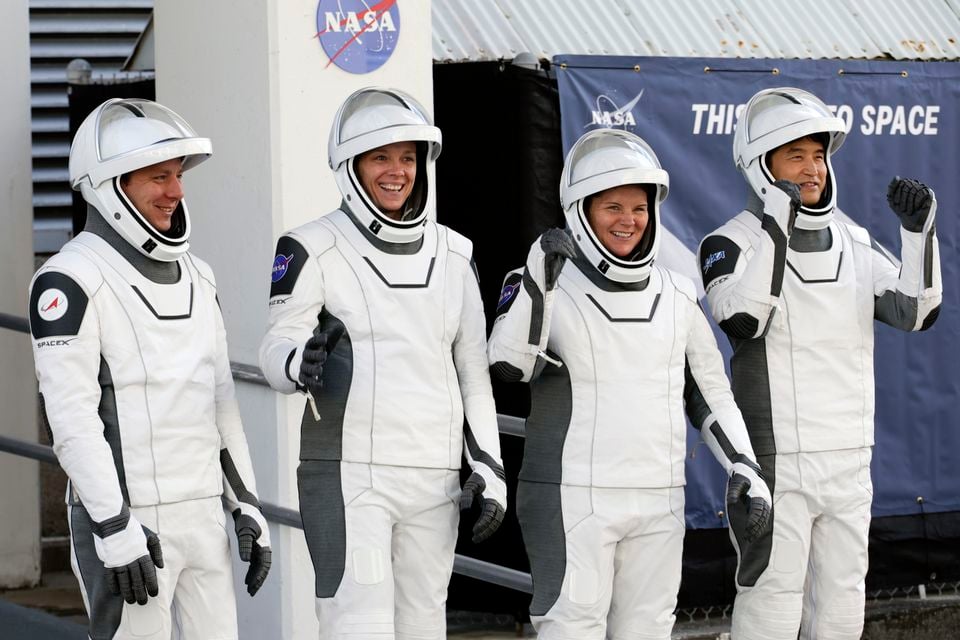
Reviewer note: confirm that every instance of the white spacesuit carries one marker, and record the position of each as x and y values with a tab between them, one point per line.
379	319
797	290
613	346
131	356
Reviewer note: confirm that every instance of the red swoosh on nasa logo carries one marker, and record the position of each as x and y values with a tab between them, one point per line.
53	304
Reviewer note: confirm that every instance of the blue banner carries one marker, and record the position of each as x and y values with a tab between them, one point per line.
902	119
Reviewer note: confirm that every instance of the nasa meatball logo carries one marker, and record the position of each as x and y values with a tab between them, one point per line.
52	305
358	36
280	265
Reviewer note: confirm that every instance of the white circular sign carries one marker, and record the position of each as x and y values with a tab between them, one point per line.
52	304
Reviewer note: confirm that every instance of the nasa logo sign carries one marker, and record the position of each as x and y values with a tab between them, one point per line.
608	114
358	36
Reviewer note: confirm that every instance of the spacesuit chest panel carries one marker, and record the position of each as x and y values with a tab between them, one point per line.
626	371
402	316
816	348
159	343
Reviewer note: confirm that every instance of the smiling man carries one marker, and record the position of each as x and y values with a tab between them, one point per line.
797	290
131	355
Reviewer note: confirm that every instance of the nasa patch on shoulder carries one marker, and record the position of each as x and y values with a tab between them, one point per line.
289	261
280	264
57	305
509	292
718	257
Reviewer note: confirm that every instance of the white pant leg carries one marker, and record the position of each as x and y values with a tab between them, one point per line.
424	540
204	600
834	599
110	618
647	565
362	607
771	608
580	610
197	574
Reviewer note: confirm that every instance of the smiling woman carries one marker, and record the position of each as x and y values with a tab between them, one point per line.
387	174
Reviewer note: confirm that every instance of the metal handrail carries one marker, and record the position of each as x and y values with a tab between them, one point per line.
509	425
463	565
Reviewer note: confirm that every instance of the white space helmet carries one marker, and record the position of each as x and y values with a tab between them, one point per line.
774	117
374	117
602	159
121	136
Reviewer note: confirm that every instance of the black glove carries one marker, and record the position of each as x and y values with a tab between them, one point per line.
137	581
491	514
911	201
311	367
259	557
557	246
793	192
748	504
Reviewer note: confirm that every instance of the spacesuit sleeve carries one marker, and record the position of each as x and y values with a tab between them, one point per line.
743	290
518	342
296	298
239	484
481	433
908	296
66	352
708	400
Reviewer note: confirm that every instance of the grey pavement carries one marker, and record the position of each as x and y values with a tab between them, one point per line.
24	623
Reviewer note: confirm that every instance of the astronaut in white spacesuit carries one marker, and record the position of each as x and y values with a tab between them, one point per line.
375	314
614	347
797	288
135	383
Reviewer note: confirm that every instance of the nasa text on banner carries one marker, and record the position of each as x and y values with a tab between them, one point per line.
902	120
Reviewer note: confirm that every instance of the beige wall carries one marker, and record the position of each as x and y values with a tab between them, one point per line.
19	477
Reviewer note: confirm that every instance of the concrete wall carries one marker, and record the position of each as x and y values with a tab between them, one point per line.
19	477
253	77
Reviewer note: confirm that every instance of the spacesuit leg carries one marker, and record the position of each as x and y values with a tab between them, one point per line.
348	520
423	550
772	569
583	601
110	618
205	603
647	567
833	603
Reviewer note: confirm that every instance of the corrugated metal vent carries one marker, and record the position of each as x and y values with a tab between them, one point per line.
100	31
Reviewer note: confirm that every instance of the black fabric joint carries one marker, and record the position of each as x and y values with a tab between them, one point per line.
112	525
236	482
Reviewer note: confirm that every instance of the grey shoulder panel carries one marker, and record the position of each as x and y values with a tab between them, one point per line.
57	305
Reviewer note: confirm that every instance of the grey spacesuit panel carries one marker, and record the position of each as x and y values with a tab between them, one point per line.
551	402
323	440
751	389
538	509
324	522
105	609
